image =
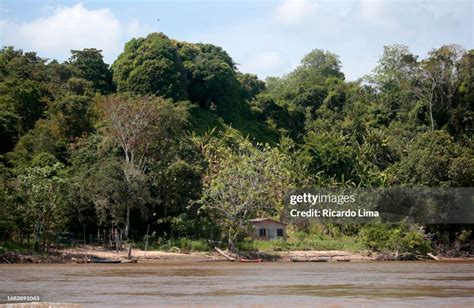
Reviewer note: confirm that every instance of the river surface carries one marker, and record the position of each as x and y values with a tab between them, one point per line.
281	284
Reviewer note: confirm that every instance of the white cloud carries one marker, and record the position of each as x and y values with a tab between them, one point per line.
295	12
376	12
71	27
136	29
265	63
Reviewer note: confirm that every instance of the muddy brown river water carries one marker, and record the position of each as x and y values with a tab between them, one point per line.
281	284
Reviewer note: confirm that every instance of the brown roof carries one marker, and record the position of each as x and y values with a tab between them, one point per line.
264	219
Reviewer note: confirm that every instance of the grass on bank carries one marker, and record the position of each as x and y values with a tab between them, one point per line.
175	245
303	241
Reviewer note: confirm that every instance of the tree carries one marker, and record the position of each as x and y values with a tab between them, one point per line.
318	65
72	115
433	160
24	93
462	116
150	66
42	187
330	154
90	65
251	85
243	182
438	82
9	130
135	123
210	71
393	78
130	122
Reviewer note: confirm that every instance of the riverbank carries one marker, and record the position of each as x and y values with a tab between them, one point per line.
84	254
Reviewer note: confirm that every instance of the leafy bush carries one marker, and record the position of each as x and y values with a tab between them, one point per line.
322	242
401	239
303	241
258	245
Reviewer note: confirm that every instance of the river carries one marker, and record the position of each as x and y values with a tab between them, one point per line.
228	284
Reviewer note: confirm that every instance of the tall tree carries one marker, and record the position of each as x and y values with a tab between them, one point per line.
150	66
393	78
438	81
45	199
243	182
135	122
90	65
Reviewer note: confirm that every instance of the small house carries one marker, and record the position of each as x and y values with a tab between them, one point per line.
268	229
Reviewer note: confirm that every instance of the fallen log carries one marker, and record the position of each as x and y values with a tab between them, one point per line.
309	259
432	256
224	254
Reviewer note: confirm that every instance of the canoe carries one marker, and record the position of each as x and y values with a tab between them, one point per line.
313	259
250	260
102	260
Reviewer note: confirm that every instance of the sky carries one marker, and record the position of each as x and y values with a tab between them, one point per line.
267	38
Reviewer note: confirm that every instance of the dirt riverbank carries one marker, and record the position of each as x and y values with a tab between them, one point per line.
84	254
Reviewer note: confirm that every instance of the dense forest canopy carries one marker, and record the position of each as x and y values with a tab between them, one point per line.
173	137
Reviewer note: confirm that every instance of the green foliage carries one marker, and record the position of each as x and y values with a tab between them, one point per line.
178	245
42	188
433	159
72	115
9	130
251	85
24	93
243	182
318	242
393	77
329	154
15	247
43	138
212	81
303	241
256	245
150	66
186	144
91	67
400	239
319	64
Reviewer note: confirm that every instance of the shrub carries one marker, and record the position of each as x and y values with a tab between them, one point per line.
388	238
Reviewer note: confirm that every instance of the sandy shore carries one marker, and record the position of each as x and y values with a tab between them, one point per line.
331	255
150	256
84	253
136	253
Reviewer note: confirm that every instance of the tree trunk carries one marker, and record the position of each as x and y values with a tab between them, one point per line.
127	223
431	115
231	242
37	228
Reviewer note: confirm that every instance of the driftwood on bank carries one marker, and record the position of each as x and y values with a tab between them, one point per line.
225	255
310	259
432	256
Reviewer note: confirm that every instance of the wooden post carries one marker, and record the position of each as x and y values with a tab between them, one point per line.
84	227
116	240
146	241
